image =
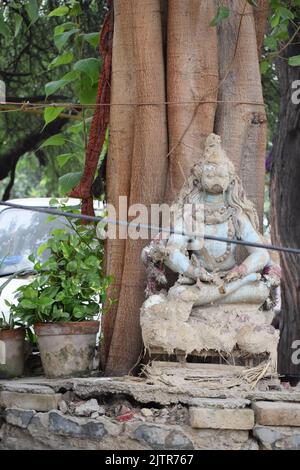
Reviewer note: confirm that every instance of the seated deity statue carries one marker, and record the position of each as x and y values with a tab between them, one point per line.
208	271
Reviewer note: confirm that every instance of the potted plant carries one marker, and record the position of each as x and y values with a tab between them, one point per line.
63	301
12	341
12	347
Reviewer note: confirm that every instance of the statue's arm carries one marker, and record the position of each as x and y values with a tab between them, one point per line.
178	261
258	257
175	259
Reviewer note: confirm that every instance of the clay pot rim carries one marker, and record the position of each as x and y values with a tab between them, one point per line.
67	328
14	333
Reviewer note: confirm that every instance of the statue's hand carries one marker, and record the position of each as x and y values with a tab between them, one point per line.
198	271
203	275
236	273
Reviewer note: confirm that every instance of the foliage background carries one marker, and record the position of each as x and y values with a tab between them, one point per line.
49	53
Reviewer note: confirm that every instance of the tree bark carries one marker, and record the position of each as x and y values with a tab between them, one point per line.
121	133
243	126
192	71
147	174
285	196
261	13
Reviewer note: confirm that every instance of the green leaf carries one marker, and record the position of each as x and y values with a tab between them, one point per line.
61	39
92	261
282	33
76	128
41	249
294	61
52	87
264	66
56	139
253	3
18	23
270	42
275	20
71	266
68	182
45	301
63	159
32	10
64	27
63	59
53	202
76	10
90	67
31	258
222	14
92	38
71	76
60	11
285	13
52	113
26	303
4	29
104	146
87	93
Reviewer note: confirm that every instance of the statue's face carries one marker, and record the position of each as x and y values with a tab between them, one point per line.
215	178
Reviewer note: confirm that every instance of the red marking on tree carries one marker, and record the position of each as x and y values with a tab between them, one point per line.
100	119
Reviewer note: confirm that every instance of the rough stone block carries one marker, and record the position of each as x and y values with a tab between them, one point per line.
76	427
17	417
19	386
30	401
220	439
211	418
277	438
277	413
159	437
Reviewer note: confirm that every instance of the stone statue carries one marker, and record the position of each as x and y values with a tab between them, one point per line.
214	295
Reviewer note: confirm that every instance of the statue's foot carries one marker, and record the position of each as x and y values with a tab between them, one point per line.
251	292
249	289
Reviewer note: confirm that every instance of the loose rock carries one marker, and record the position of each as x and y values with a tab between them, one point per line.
146	412
87	408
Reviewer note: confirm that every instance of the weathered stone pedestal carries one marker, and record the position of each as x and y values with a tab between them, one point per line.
240	330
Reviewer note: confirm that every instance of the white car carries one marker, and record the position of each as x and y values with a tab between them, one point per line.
21	233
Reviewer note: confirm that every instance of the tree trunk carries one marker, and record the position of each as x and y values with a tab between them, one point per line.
243	125
120	148
142	164
260	18
147	173
285	196
192	72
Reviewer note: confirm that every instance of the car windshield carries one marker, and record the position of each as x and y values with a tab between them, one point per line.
21	233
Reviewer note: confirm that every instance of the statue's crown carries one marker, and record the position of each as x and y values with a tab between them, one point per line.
213	152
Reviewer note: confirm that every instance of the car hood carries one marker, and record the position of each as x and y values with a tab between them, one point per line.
8	292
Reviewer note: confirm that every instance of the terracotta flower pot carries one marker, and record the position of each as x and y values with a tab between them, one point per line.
12	358
67	349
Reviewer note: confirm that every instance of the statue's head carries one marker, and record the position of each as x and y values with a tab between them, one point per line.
215	171
215	174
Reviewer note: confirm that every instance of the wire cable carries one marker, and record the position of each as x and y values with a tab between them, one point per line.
105	220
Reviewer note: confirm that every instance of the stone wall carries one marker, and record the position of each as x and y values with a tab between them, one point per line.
133	414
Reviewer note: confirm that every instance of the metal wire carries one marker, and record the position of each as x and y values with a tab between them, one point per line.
105	220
